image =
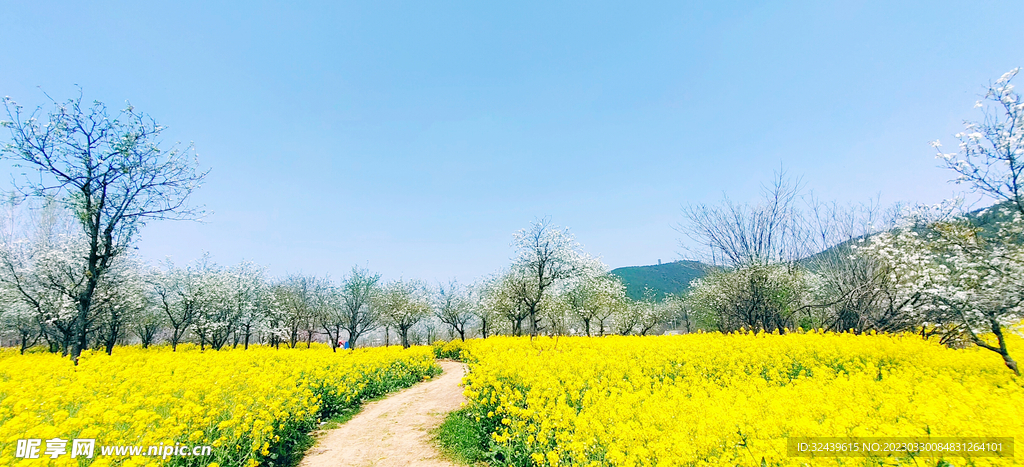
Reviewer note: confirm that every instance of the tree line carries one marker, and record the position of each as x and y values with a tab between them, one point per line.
94	177
551	288
68	277
942	270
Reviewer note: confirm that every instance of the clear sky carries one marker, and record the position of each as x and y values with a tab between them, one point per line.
415	138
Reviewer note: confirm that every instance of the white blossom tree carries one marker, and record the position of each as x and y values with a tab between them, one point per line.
300	299
330	312
248	298
756	297
679	313
110	171
185	296
972	279
41	257
640	317
990	155
20	319
957	283
163	285
453	306
547	259
356	294
276	314
34	286
119	301
593	300
484	310
499	299
149	323
402	305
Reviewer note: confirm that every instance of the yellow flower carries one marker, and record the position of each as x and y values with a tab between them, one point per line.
714	399
156	397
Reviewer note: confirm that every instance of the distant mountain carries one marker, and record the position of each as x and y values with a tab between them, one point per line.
989	217
986	219
668	278
675	277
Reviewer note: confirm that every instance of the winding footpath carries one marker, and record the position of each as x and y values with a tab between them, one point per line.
394	431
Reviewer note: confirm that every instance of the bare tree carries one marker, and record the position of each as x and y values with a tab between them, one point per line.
737	235
855	292
759	246
109	170
770	248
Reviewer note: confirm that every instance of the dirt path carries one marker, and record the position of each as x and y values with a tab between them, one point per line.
394	431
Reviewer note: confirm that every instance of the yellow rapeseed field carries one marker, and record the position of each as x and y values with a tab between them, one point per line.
242	402
728	400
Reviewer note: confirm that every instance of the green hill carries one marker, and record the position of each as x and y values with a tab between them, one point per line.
985	219
668	278
988	218
675	278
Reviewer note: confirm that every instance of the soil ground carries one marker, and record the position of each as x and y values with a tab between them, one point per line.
394	431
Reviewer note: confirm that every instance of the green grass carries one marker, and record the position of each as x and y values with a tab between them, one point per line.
462	439
345	415
300	440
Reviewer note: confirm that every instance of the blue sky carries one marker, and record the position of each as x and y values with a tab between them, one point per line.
415	138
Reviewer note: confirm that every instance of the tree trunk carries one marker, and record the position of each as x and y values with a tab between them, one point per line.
532	322
997	329
405	336
24	341
84	303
